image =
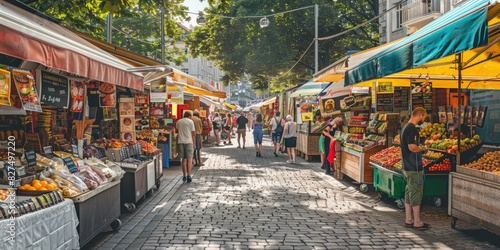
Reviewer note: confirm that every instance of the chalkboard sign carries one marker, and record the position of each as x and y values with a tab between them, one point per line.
401	97
54	90
70	164
75	150
30	158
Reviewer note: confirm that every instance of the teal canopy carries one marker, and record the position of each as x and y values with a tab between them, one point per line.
310	88
463	28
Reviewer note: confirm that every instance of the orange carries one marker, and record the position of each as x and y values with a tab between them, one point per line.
22	188
37	185
43	189
44	183
35	181
51	187
31	188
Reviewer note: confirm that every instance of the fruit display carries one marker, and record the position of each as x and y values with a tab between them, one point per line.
433	131
115	143
388	156
4	194
38	185
397	139
148	148
451	145
490	162
444	166
434	155
398	165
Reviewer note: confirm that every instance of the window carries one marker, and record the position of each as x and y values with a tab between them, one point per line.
399	16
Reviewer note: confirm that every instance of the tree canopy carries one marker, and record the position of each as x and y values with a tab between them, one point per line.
233	38
136	23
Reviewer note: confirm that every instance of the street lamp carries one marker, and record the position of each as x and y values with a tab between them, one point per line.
264	22
201	20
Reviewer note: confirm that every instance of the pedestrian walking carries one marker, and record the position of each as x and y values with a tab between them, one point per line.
198	125
413	171
242	130
290	135
276	132
186	134
250	121
228	127
257	135
321	141
216	125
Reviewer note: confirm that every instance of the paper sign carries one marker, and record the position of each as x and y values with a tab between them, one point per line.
47	149
385	88
158	91
70	164
75	150
30	158
107	95
203	113
175	94
307	117
77	95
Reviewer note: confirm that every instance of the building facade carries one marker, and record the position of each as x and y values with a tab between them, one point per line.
405	17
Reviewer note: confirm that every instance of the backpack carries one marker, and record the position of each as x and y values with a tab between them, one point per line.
279	127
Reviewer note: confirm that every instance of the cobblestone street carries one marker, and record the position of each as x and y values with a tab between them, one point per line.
239	201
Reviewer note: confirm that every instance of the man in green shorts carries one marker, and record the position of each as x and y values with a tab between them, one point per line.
413	171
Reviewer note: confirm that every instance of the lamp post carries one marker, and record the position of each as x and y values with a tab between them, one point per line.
162	33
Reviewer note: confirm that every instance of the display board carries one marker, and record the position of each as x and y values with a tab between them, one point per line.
490	119
53	89
421	95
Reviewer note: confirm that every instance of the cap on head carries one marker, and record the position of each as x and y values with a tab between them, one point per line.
278	113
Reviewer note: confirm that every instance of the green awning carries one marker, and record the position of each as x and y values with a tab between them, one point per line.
310	88
461	29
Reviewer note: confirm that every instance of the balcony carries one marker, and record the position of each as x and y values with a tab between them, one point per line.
416	15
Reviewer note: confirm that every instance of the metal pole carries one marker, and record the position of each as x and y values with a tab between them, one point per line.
268	86
109	28
459	58
162	33
316	16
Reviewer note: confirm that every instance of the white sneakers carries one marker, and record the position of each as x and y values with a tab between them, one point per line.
290	161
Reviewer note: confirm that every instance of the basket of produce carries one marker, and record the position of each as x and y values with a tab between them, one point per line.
35	188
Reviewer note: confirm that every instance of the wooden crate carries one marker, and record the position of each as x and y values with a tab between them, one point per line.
475	200
479	174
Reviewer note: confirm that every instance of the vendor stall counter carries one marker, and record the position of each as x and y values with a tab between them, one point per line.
475	198
54	227
98	209
134	184
307	140
355	165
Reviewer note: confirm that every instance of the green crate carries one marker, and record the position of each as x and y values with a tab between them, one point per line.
389	183
436	185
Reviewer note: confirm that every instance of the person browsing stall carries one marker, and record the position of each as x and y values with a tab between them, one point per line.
413	171
198	124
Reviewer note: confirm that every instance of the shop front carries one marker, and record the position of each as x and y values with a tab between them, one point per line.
455	171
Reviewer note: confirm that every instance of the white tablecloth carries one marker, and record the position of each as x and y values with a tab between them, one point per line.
50	228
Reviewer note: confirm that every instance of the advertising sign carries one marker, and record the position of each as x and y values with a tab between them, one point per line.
158	91
385	88
107	95
175	94
25	84
76	90
5	84
421	95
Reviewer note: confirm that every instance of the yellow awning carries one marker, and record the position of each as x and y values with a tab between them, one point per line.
229	105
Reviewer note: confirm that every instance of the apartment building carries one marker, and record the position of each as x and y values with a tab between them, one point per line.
404	17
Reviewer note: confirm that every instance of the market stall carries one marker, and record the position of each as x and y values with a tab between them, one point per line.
305	101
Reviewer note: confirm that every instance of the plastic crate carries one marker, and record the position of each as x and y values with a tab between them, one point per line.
436	185
389	183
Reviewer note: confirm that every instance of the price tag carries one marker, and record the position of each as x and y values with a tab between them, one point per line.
20	171
75	150
47	149
31	158
70	164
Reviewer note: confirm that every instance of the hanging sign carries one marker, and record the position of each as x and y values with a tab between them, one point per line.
77	95
53	89
30	158
25	84
307	117
5	84
70	164
385	88
421	95
175	94
158	91
360	90
107	95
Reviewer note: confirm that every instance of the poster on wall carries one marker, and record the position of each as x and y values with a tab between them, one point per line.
25	85
158	91
175	94
107	95
421	95
76	104
53	89
5	84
